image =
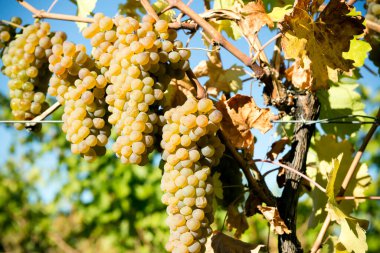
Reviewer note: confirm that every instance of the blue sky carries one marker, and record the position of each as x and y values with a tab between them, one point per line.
12	8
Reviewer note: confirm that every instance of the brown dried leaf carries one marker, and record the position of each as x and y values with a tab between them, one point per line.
239	138
254	17
300	73
236	220
277	147
220	79
246	114
222	243
273	216
251	204
177	92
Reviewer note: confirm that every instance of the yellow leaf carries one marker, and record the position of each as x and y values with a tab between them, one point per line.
322	41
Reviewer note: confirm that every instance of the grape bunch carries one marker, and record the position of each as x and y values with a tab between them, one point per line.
138	60
25	61
191	148
80	87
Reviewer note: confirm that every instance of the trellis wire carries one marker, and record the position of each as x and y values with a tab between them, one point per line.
335	120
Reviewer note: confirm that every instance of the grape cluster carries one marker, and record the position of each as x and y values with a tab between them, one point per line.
78	85
191	148
138	59
25	61
373	10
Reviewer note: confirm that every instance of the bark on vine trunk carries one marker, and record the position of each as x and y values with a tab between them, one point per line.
307	108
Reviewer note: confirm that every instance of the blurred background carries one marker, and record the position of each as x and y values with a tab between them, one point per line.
53	201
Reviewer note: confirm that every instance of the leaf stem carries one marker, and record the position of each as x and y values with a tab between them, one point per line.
265	45
357	197
351	171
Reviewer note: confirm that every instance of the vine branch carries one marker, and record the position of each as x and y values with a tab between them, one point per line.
44	14
217	37
351	171
259	187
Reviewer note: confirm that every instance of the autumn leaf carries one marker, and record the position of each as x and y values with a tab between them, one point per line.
159	5
244	111
254	17
222	243
218	190
228	26
236	220
319	45
240	114
277	147
239	138
131	8
272	215
227	80
177	92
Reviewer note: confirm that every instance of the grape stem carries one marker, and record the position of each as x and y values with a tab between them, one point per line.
351	172
45	14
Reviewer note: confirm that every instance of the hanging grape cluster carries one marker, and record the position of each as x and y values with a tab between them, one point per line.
80	87
139	60
25	61
191	148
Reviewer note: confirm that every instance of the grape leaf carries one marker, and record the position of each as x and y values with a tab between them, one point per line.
272	215
321	153
228	26
321	42
277	147
227	80
352	235
358	52
340	100
85	7
222	243
236	220
159	5
240	114
131	8
177	92
238	136
254	17
278	13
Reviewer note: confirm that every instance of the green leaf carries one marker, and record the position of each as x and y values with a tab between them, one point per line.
331	188
323	150
85	7
341	100
159	6
229	27
358	52
278	13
